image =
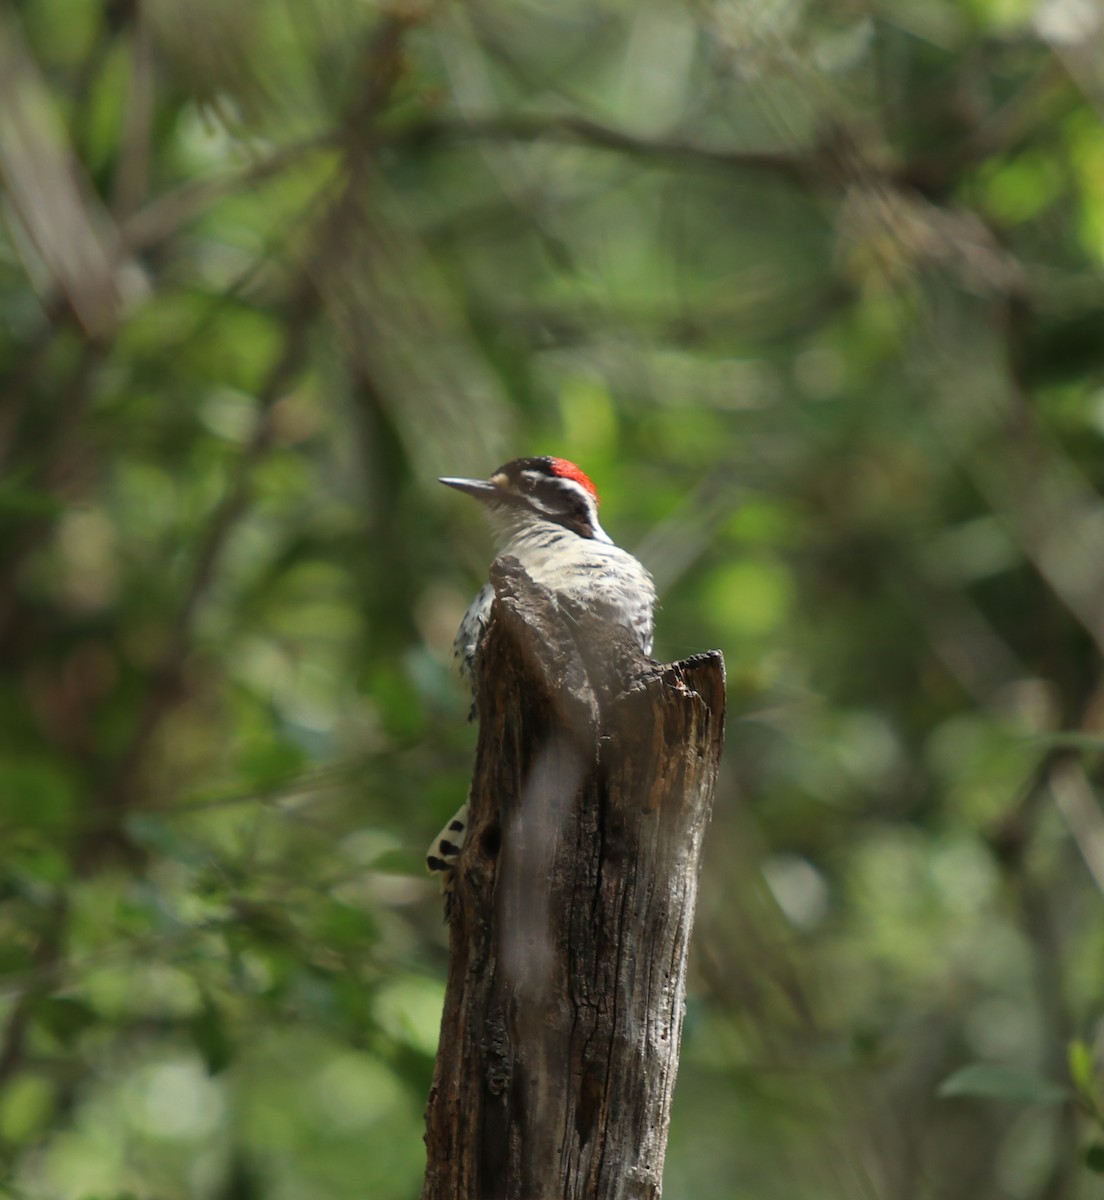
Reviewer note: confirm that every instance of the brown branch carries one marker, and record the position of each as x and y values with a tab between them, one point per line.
166	214
803	169
133	172
67	234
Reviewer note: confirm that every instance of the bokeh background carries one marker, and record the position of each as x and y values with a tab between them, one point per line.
815	292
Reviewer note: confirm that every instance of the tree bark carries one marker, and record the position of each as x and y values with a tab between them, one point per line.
571	920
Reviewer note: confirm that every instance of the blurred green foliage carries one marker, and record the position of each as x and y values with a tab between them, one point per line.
814	292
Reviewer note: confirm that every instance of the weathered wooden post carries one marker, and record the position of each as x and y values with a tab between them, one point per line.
575	898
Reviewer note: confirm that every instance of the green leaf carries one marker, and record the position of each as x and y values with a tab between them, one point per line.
750	597
209	1034
66	1019
1094	1157
269	765
157	833
27	1106
1012	1084
1081	1066
30	862
18	499
38	793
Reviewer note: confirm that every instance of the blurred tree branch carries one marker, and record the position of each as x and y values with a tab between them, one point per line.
575	130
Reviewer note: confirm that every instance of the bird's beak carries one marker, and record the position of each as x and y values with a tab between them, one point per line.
481	489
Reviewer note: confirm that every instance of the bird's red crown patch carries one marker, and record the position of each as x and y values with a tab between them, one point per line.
568	470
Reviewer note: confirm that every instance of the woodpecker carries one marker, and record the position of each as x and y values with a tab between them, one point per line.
544	512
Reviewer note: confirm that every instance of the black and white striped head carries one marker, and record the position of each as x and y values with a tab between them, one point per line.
538	489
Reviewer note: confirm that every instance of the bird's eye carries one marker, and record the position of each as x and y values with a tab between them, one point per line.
527	481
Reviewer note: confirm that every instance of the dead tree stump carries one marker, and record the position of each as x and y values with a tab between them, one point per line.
575	898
